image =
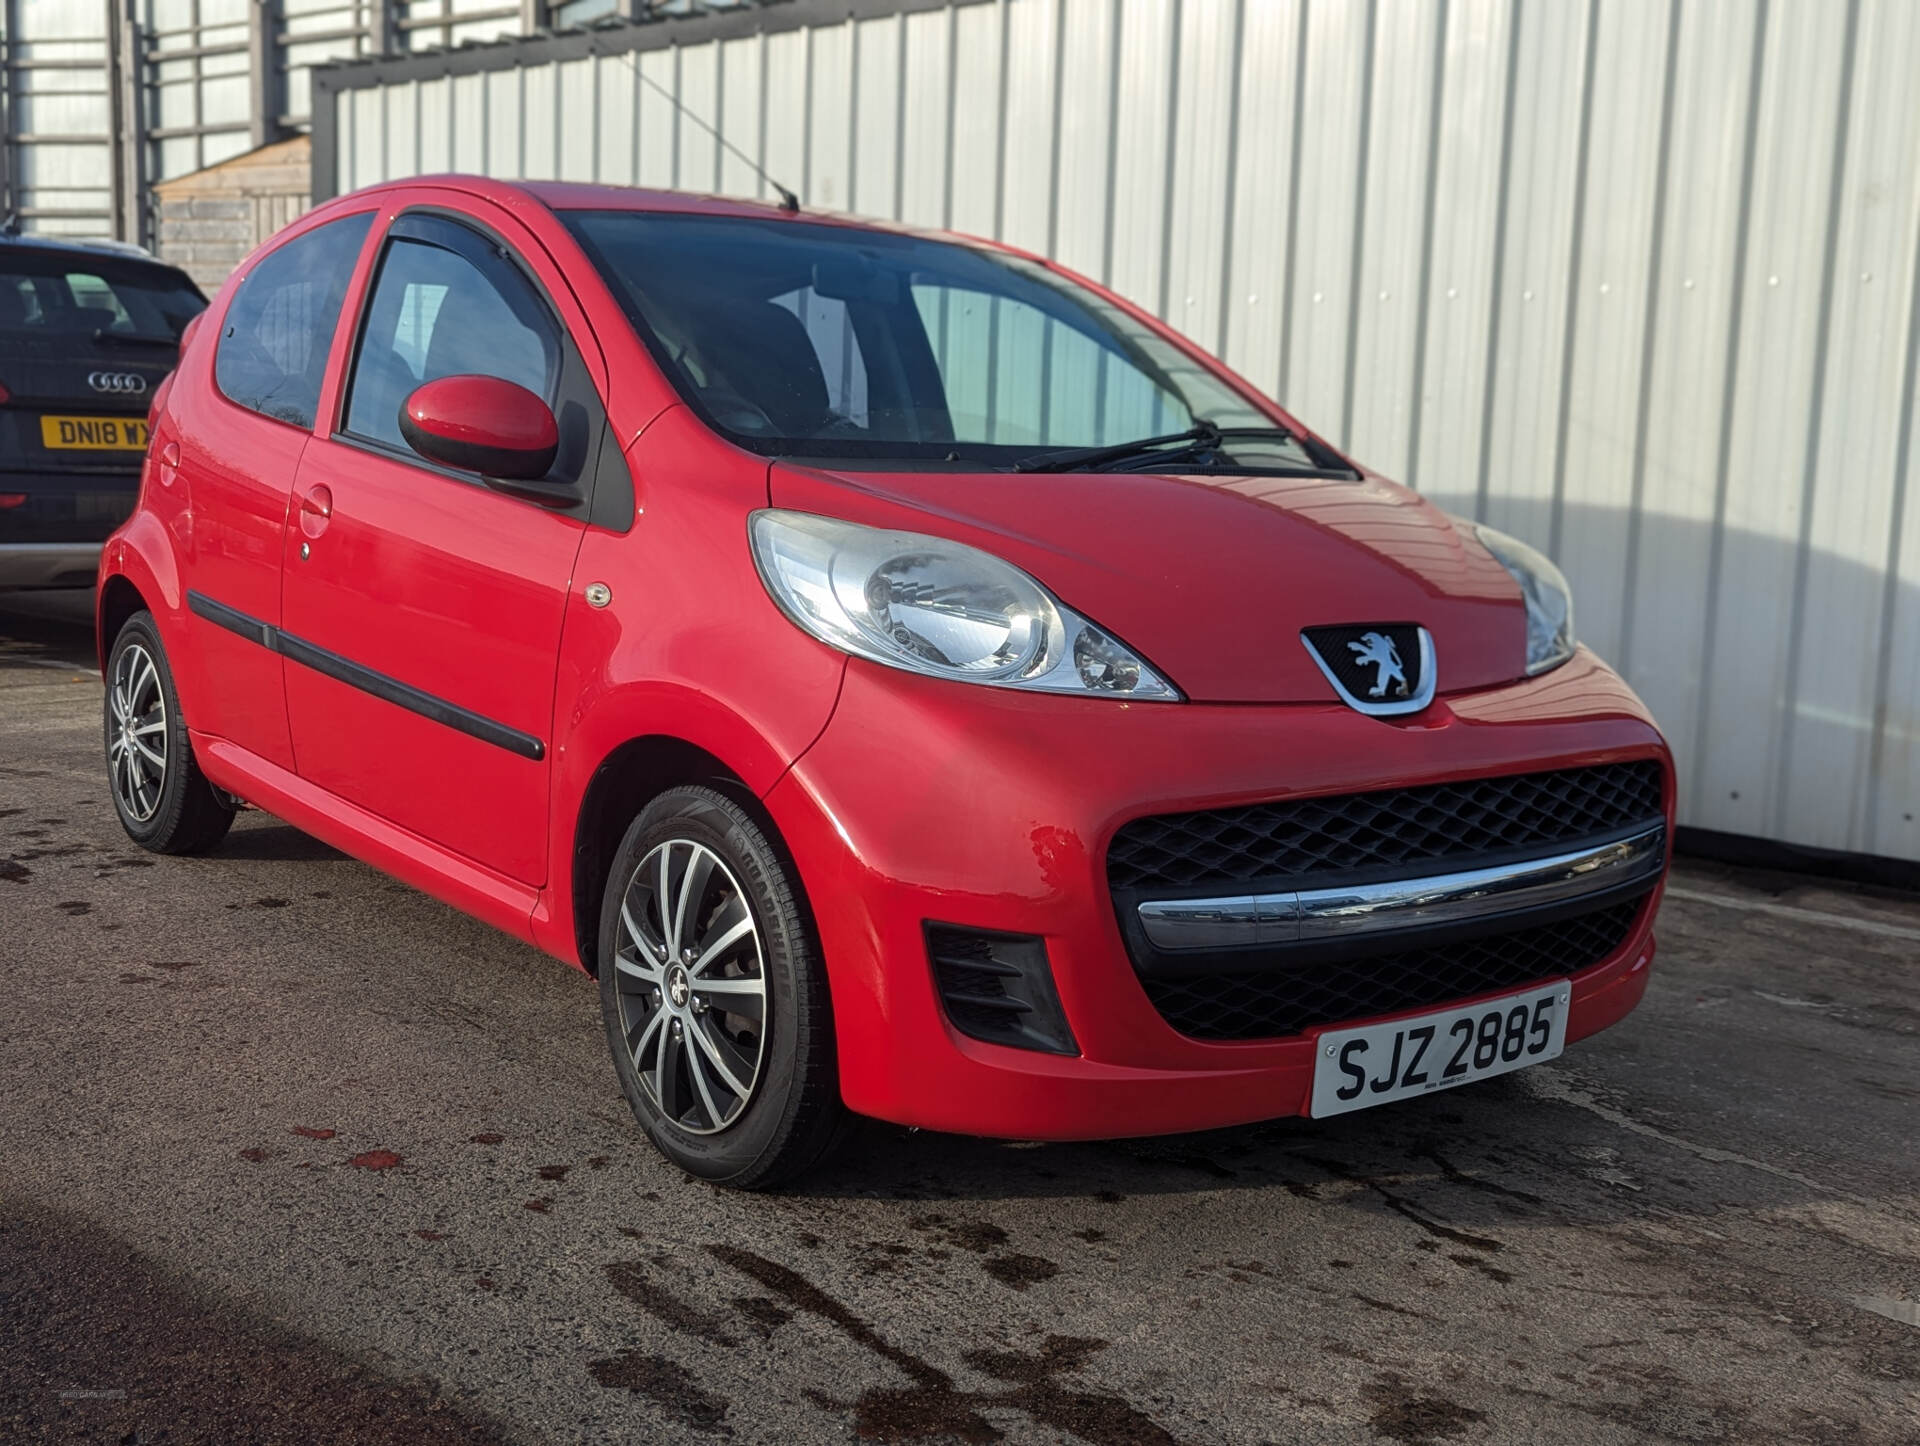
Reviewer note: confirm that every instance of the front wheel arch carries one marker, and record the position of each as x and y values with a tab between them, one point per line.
627	780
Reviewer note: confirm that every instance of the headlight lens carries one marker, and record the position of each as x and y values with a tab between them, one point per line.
939	608
1549	599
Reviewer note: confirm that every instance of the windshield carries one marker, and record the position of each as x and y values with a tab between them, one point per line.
803	339
62	295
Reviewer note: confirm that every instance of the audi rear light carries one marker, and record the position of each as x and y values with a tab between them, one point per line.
12	499
5	395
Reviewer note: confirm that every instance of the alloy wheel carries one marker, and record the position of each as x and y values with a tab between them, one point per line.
692	986
137	741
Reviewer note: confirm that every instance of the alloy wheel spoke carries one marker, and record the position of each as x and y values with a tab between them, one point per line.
746	996
666	1076
662	891
638	1047
693	883
650	948
142	730
157	760
712	947
641	969
715	1116
717	1047
148	678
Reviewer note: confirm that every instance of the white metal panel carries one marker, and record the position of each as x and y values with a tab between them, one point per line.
876	110
1262	188
1543	179
1204	138
1469	184
1393	241
436	124
1693	336
1637	280
1748	623
1082	215
1834	685
698	162
579	120
830	138
784	72
1143	135
614	154
925	118
740	89
1332	76
504	131
1026	183
976	111
540	94
469	121
1590	533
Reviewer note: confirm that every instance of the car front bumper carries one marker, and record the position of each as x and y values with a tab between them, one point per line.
992	810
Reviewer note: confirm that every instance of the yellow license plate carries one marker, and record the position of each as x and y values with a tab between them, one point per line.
97	434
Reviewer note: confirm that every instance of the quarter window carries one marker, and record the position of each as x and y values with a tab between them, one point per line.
272	355
436	313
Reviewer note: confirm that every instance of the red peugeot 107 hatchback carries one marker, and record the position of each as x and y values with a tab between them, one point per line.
915	682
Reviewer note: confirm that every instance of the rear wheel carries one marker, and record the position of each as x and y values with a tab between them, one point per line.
164	802
714	997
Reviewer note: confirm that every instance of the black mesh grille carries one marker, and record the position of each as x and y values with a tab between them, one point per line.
1288	1001
1395	826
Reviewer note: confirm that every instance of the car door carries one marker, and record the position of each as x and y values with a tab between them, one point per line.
423	605
236	446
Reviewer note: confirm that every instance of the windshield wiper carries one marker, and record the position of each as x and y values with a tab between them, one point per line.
104	337
1202	436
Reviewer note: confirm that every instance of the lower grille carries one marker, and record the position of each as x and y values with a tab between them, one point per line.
998	987
1281	1002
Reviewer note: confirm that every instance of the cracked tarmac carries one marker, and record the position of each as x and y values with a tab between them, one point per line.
289	1152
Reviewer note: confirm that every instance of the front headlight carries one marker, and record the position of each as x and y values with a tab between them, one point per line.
1549	600
939	608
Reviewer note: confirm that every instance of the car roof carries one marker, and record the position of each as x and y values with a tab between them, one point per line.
86	245
589	196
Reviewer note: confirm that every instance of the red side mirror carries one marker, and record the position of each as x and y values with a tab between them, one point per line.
481	424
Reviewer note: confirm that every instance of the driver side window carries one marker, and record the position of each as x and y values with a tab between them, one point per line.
434	313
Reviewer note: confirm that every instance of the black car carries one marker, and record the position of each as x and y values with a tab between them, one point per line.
88	329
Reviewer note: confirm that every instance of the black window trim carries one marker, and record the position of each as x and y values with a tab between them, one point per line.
609	507
480	248
372	214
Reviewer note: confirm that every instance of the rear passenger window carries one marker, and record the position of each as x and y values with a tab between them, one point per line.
436	313
272	355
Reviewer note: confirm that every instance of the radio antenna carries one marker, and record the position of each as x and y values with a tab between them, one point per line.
788	201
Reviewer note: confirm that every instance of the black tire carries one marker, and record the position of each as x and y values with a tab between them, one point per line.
171	808
790	1117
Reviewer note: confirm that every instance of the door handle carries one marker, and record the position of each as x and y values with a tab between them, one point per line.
316	510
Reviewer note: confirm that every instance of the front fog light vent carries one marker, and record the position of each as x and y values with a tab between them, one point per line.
999	988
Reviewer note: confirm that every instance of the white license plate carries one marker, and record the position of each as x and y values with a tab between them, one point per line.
1375	1064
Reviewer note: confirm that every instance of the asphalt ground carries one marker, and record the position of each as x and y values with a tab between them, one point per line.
289	1152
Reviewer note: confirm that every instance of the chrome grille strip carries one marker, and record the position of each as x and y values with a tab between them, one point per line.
1304	915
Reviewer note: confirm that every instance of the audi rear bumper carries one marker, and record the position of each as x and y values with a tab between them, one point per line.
48	564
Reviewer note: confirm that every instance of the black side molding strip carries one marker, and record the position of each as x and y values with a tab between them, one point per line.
354	675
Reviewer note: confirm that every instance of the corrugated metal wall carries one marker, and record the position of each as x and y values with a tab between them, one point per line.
1638	280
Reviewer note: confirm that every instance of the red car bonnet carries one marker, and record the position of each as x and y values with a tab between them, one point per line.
1212	577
